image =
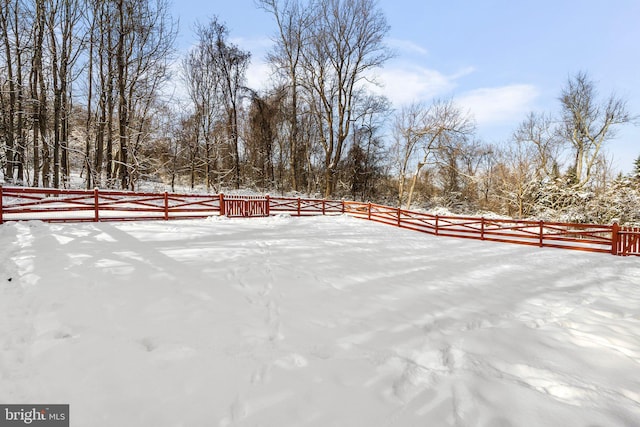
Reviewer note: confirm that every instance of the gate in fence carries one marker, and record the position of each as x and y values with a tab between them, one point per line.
235	206
628	241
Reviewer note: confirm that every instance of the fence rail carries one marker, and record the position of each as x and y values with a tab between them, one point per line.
55	205
305	207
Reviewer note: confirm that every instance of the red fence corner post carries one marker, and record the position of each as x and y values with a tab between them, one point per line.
615	237
222	212
541	233
1	208
166	206
96	205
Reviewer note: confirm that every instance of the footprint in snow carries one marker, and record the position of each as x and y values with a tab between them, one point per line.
292	361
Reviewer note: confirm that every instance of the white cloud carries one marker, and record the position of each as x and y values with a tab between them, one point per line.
499	104
406	84
407	46
258	74
255	45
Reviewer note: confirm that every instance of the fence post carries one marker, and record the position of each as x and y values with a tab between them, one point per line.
96	205
166	206
482	228
222	212
1	219
268	205
436	225
541	233
298	206
343	208
399	217
615	236
324	209
369	211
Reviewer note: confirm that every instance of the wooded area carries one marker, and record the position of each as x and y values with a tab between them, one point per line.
84	92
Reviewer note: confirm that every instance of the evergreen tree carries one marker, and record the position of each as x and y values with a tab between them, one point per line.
635	174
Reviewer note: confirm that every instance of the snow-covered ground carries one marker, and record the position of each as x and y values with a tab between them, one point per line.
324	321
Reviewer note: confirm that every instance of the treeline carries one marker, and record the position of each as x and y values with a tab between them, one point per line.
80	80
554	166
86	90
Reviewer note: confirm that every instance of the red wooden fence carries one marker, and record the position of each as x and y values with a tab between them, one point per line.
55	205
586	237
305	207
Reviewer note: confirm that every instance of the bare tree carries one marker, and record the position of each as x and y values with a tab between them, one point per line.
487	176
460	160
426	135
516	174
201	78
260	143
102	42
62	17
541	133
232	63
588	123
407	136
38	94
13	29
147	52
344	45
215	73
293	21
364	160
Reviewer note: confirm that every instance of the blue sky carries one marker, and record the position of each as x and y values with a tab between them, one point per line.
500	59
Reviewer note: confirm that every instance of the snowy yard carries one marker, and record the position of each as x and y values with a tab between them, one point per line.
324	321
